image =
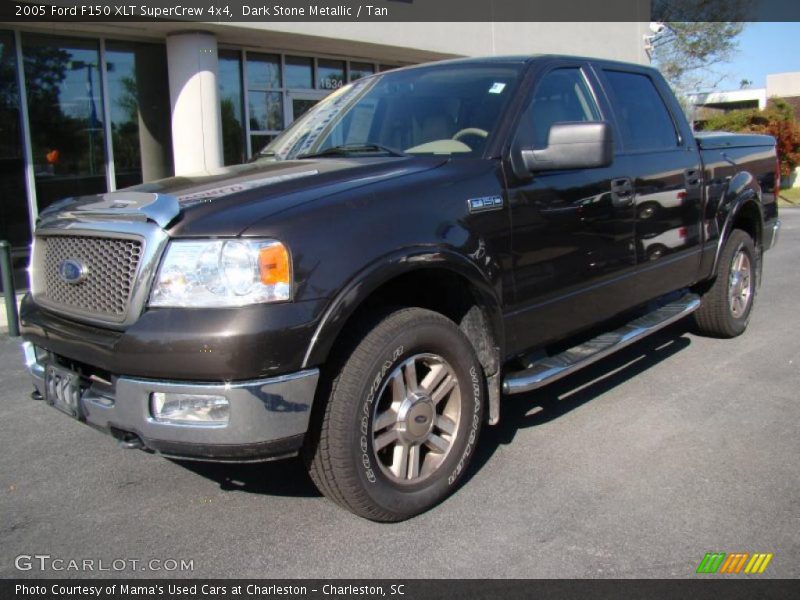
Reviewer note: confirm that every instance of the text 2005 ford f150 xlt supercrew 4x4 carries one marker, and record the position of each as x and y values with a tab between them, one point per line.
418	246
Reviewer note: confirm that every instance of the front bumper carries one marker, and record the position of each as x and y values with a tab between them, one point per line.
268	417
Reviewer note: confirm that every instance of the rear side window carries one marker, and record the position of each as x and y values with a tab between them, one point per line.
562	96
643	118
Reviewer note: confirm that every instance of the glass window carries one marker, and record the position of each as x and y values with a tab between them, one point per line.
330	74
230	98
438	110
263	71
301	106
299	72
260	140
386	68
561	96
644	119
359	70
266	111
14	217
139	110
65	111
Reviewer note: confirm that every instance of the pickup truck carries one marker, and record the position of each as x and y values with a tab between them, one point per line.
413	251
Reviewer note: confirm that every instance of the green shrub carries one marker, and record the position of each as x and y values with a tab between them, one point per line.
777	120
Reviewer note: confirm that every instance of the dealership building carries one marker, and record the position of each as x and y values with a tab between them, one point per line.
87	108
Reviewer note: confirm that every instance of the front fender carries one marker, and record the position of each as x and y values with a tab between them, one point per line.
383	270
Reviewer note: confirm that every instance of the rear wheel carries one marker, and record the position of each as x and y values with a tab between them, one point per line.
727	304
402	418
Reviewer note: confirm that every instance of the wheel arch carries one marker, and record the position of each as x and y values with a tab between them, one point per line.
437	279
744	211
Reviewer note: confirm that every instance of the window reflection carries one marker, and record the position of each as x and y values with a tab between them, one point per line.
266	110
139	109
263	71
260	141
230	97
65	109
359	70
330	74
14	219
265	107
299	72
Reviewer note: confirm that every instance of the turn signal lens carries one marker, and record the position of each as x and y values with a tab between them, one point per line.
273	265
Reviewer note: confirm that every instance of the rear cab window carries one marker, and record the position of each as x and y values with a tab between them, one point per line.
644	121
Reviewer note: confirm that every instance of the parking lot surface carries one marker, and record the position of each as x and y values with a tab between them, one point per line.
636	467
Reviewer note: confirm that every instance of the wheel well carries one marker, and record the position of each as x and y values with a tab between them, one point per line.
442	291
748	220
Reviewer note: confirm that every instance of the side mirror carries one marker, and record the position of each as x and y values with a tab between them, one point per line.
579	145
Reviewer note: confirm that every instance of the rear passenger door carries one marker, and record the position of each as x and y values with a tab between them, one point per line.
664	162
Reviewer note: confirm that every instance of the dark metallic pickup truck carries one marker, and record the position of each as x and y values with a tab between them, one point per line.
417	246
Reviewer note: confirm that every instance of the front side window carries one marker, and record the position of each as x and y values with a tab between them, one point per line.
643	118
561	96
444	109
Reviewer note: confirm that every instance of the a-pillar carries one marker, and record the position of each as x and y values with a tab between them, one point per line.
196	124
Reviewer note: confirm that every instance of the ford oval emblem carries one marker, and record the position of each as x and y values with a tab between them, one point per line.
420	419
72	271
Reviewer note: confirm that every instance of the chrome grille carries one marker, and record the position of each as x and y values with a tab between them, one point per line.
111	264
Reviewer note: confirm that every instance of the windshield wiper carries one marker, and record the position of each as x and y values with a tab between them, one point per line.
345	149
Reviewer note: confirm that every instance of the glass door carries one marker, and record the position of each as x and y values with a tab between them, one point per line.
298	103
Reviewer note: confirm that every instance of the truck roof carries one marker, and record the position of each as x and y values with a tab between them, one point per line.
521	59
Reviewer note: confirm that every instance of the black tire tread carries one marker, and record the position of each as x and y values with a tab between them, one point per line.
330	471
713	318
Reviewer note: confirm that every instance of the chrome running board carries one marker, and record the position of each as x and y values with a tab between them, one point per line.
551	368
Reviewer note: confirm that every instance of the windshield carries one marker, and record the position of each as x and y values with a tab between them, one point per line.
442	109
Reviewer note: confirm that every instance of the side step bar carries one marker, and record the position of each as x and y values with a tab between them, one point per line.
551	368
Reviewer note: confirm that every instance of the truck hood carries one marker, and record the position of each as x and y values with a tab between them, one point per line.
229	200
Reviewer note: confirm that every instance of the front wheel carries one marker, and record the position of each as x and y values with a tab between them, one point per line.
402	418
727	304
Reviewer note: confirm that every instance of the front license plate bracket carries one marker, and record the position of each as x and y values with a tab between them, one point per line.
62	390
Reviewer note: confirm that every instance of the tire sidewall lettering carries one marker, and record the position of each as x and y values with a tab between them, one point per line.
477	403
366	410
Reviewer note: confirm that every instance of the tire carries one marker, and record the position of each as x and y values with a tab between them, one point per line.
727	304
409	392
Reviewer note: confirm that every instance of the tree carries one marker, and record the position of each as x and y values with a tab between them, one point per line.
688	54
693	40
777	120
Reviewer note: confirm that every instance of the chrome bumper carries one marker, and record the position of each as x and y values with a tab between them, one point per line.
262	412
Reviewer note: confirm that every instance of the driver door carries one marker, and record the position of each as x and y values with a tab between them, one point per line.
573	229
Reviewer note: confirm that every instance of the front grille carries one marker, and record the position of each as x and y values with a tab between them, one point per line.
111	267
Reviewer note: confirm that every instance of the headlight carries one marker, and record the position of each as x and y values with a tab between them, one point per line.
223	273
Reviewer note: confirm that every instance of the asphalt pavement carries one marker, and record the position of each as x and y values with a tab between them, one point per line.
636	467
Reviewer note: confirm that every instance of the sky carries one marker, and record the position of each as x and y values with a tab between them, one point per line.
763	48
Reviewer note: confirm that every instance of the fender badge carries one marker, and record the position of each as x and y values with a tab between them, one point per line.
485	203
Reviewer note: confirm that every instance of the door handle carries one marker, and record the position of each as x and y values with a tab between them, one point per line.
693	178
622	192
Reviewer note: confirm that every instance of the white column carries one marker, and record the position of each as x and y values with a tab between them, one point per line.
196	121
